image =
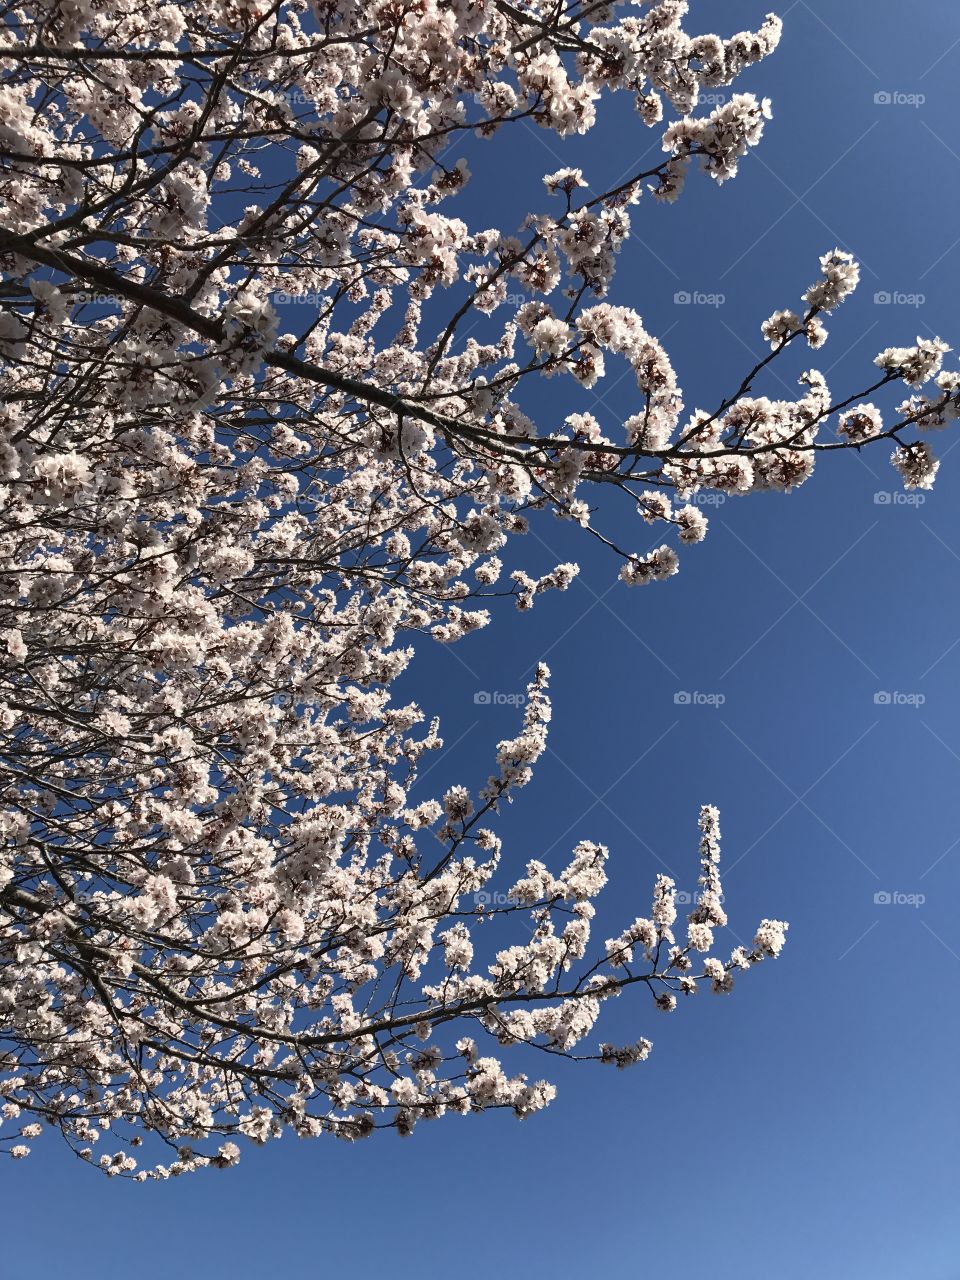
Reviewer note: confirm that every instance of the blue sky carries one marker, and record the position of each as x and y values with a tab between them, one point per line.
807	1124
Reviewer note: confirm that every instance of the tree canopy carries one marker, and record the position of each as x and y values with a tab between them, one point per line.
221	540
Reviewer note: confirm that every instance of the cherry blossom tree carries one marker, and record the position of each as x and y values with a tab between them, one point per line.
221	914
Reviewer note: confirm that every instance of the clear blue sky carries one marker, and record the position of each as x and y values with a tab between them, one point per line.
808	1124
